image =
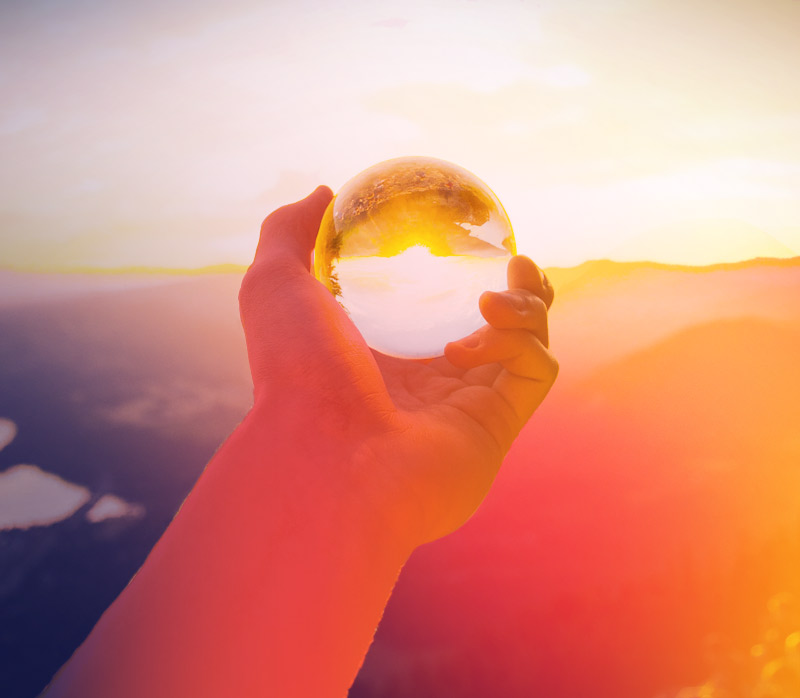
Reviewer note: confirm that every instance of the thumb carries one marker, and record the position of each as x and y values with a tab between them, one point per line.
289	233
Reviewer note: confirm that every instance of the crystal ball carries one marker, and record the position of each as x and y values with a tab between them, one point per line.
407	247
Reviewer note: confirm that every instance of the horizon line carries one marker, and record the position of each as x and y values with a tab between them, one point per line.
234	268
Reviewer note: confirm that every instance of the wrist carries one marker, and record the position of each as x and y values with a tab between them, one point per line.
274	560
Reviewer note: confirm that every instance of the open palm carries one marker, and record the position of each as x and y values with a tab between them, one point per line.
424	439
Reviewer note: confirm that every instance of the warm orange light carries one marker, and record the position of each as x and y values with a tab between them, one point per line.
407	247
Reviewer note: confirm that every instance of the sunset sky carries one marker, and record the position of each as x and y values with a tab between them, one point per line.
162	132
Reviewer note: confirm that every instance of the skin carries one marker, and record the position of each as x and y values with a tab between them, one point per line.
274	574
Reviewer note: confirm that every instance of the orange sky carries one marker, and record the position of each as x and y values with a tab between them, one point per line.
161	133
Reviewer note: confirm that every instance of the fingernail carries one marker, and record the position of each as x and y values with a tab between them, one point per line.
470	342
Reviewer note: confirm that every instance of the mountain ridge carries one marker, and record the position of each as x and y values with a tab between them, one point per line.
233	268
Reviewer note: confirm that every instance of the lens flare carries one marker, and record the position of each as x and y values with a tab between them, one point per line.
407	247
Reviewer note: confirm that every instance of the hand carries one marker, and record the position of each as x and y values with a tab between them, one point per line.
417	442
285	552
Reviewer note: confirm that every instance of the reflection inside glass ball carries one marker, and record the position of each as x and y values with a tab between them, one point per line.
407	247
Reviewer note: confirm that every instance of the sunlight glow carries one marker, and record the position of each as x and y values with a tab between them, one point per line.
413	303
589	123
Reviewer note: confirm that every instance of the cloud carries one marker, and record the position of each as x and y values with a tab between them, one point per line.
29	496
8	430
170	167
174	405
109	506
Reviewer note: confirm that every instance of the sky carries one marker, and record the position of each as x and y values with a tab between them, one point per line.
161	133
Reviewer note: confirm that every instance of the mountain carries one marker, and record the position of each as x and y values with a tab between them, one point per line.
644	509
125	390
648	505
606	309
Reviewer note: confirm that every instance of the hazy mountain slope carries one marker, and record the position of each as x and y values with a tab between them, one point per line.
124	391
642	509
612	309
651	500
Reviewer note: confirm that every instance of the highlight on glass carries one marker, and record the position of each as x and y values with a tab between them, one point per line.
407	247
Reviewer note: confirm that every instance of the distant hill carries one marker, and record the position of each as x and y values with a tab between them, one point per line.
650	502
643	509
569	280
604	310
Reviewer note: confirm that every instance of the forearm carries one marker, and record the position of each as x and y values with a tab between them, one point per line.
270	581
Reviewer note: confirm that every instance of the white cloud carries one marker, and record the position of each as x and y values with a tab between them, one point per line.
168	165
29	496
109	506
8	430
175	405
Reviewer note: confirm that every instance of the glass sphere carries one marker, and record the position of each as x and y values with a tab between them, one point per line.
407	247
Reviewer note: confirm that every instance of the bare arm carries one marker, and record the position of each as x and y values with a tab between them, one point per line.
273	576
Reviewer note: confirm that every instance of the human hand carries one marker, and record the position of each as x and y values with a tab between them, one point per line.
285	552
417	443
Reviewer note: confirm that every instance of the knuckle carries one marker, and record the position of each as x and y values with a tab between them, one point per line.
267	222
520	339
537	304
554	366
545	359
276	219
248	287
261	277
550	294
518	299
526	302
523	344
273	268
